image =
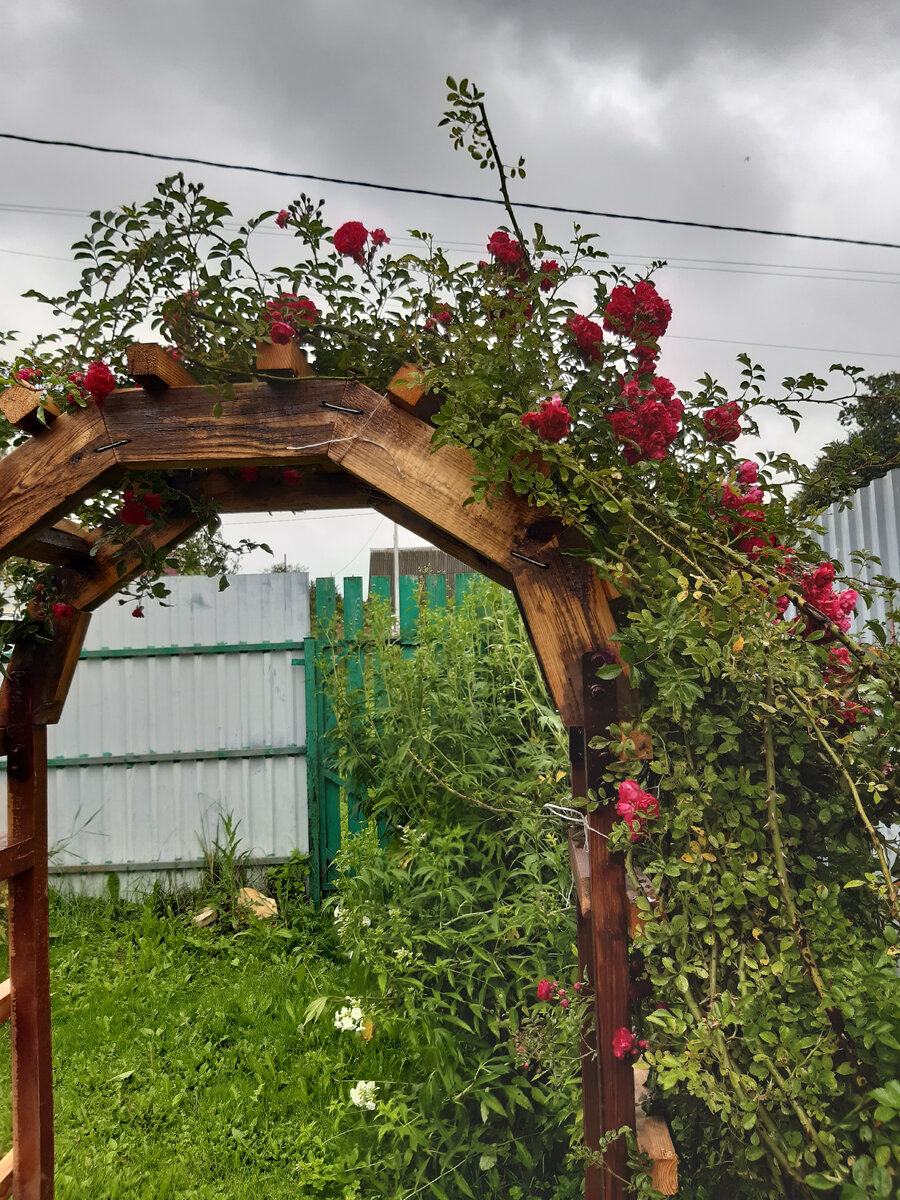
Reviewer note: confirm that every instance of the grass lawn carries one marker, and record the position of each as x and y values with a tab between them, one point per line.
182	1067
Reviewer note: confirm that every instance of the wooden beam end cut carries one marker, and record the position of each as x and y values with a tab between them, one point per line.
282	362
154	368
22	405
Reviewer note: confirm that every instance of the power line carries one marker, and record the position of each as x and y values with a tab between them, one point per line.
410	191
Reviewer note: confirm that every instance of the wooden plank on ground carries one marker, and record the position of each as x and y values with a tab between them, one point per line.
46	477
152	367
654	1139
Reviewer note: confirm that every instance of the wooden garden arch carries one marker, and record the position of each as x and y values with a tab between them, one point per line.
356	449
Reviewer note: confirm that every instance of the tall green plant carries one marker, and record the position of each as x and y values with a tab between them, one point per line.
451	918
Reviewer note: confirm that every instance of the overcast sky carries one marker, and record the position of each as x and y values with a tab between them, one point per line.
777	115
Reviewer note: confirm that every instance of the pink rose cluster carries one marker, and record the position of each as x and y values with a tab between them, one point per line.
626	1045
723	423
289	316
636	807
439	316
650	423
818	590
551	422
549	989
351	237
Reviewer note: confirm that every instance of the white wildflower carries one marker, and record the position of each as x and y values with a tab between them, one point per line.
349	1019
402	954
367	920
363	1095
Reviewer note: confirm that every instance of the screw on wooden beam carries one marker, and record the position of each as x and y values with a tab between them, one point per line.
22	407
154	369
277	362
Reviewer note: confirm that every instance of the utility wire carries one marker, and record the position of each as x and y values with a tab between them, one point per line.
410	191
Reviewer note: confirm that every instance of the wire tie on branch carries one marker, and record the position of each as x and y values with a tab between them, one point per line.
533	561
357	412
112	445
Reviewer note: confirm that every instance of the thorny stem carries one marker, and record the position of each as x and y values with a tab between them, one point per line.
453	792
803	1117
768	1133
507	203
801	937
864	817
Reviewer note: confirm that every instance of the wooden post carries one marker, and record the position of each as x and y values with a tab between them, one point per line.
29	965
590	1065
604	703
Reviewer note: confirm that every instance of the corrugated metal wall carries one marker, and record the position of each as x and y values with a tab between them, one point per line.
872	524
195	711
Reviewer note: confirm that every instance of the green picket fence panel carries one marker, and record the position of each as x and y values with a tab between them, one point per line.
331	810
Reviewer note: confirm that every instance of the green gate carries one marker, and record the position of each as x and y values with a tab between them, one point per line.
330	809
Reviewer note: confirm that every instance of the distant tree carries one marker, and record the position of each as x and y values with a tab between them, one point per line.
871	449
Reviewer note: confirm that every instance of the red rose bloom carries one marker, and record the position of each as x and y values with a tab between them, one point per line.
282	219
547	989
137	612
99	381
626	1044
291	475
504	249
133	511
281	333
249	474
587	336
549	272
552	422
379	237
28	375
723	423
650	423
639	313
62	610
350	239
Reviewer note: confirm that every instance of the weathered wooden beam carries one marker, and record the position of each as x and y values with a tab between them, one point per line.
654	1139
21	405
115	565
261	424
282	362
53	664
432	533
4	1001
315	490
14	857
603	706
65	544
46	477
152	367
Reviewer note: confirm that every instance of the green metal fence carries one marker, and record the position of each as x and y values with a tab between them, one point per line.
331	809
